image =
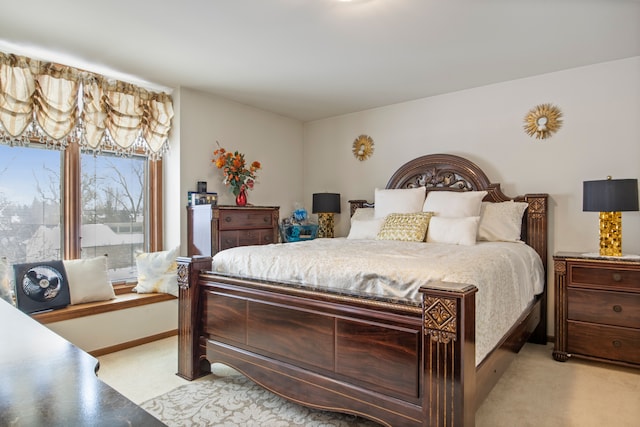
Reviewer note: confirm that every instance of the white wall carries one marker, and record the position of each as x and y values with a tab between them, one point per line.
273	140
600	136
104	330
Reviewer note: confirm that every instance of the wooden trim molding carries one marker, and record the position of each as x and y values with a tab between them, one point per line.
156	242
120	302
133	343
71	202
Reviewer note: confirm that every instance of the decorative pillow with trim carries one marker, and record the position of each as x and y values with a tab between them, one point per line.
364	225
157	272
6	281
501	222
398	200
88	280
457	231
454	204
407	227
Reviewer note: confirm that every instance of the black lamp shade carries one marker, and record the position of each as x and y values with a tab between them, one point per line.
326	203
610	195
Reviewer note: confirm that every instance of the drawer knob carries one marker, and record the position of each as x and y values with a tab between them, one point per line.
617	344
617	277
227	218
266	219
617	308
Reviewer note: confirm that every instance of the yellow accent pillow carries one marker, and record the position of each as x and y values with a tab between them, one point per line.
408	227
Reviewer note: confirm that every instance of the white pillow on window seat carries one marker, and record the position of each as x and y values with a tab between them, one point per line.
88	280
6	281
157	272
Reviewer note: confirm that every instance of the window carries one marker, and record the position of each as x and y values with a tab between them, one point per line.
113	210
67	204
30	203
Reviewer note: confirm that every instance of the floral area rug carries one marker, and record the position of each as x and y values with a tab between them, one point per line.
233	400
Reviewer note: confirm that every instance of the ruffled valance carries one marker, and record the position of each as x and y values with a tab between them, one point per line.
57	105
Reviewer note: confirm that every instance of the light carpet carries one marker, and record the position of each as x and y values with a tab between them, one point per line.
233	400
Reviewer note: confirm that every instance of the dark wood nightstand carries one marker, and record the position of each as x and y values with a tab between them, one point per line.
597	312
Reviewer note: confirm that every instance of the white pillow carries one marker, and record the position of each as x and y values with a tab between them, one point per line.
501	222
88	280
364	225
6	281
398	200
458	231
454	204
157	272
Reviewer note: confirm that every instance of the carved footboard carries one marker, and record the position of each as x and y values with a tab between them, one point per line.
397	365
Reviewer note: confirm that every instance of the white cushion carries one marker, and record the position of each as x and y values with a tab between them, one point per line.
501	222
6	281
88	280
454	204
399	200
157	272
458	231
364	225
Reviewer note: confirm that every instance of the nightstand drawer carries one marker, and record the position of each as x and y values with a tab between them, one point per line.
607	342
603	275
233	238
610	308
231	220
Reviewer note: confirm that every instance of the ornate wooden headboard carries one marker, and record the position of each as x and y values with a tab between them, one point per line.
448	172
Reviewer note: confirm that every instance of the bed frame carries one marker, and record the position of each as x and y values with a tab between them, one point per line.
399	365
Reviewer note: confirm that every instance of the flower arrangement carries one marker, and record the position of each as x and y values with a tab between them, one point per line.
234	166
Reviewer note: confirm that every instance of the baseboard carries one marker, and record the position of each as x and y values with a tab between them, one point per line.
134	343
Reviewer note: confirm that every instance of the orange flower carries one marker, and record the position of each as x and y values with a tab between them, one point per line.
236	174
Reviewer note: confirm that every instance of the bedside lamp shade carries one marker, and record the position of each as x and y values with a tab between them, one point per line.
325	205
610	197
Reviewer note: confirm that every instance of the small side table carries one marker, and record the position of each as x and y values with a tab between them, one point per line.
597	308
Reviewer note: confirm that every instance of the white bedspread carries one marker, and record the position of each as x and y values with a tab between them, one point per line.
507	275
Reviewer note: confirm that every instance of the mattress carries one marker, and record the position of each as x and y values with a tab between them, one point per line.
508	275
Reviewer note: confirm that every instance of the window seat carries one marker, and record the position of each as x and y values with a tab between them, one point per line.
124	299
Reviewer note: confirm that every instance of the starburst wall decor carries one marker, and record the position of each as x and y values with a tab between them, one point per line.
543	121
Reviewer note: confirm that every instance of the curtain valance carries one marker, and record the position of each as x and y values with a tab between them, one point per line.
58	104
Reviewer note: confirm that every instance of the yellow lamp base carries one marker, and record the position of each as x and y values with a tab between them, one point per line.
610	233
325	224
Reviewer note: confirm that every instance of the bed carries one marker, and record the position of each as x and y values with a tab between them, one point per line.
396	361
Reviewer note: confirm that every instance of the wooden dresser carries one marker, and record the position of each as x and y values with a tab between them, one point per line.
243	226
597	312
211	229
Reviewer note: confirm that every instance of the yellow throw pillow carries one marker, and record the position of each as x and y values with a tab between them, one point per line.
408	227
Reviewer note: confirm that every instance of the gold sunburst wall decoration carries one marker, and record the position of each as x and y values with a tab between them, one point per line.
363	147
543	121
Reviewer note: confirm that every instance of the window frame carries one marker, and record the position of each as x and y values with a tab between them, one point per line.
72	210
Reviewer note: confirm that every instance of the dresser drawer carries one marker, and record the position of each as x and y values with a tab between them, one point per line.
233	238
614	276
607	342
606	307
246	218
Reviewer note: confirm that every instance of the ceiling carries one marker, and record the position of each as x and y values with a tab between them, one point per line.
312	59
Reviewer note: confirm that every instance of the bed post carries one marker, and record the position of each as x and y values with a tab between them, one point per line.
189	363
537	235
449	383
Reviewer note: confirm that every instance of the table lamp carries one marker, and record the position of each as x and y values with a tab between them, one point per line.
325	205
610	197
